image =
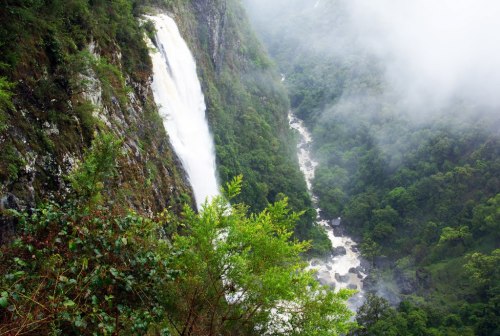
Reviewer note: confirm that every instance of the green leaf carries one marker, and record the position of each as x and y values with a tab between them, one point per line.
69	303
4	302
20	262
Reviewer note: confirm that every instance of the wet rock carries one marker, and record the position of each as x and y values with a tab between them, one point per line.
365	265
315	262
354	248
339	251
352	286
8	223
370	283
335	222
341	278
9	201
356	270
338	231
325	279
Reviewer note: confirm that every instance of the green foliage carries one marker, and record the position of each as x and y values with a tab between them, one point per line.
455	235
114	87
244	273
5	101
486	217
98	166
83	273
75	269
370	249
377	318
11	162
421	191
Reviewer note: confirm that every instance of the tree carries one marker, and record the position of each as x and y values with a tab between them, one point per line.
384	222
483	269
487	217
243	274
77	269
376	317
460	235
370	249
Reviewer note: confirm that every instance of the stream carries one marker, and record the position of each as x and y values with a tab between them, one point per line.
342	268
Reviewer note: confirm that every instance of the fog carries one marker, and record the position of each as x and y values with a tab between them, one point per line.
432	52
395	71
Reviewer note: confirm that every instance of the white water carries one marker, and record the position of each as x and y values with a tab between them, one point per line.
177	92
334	271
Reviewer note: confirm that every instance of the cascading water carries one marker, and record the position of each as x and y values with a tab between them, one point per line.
177	92
343	269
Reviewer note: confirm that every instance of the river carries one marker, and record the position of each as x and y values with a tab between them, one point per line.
342	268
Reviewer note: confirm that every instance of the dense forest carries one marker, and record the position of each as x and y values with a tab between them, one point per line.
98	234
416	182
74	50
97	231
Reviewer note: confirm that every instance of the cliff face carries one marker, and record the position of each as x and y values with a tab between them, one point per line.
211	16
66	87
246	103
83	67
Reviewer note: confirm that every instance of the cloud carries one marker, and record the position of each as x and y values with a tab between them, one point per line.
434	49
433	52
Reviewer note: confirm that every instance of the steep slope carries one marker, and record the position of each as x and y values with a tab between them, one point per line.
246	106
75	68
88	167
84	67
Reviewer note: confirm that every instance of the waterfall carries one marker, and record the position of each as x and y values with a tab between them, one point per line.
177	92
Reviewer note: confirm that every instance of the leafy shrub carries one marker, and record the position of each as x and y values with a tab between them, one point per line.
88	267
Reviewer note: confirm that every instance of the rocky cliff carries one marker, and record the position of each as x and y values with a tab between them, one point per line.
69	82
83	67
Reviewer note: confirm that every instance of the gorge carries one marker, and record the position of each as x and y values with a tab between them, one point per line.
120	119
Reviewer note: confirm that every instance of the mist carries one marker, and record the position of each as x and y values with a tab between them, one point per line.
381	84
431	53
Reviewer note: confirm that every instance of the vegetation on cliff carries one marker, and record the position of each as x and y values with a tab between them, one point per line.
84	156
67	70
83	66
91	266
247	108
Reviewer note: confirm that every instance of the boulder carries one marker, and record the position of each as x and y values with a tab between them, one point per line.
341	278
339	251
338	231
